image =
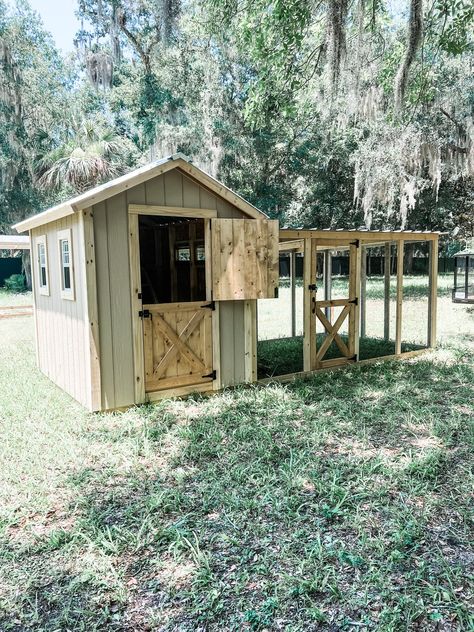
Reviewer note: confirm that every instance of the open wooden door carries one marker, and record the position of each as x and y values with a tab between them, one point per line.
245	259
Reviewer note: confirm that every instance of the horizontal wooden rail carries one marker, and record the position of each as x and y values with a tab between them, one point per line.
333	302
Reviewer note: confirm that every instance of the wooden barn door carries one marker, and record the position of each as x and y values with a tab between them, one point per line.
347	312
173	315
177	341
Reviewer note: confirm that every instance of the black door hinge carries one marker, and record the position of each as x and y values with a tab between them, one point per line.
354	358
276	292
313	287
144	313
213	374
355	301
356	243
211	305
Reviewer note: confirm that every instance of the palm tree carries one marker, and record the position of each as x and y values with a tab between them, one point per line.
93	154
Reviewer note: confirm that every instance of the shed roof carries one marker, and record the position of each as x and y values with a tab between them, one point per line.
131	179
468	252
14	242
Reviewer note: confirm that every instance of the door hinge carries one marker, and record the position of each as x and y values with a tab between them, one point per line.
355	301
313	287
211	305
276	292
213	374
144	313
354	358
356	243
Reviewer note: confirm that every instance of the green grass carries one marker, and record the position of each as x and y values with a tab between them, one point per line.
285	355
340	502
14	298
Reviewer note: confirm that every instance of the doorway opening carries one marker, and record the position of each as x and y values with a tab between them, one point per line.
172	259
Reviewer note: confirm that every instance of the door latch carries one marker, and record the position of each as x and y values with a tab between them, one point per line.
144	313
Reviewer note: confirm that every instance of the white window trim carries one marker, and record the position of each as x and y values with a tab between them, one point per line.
69	294
41	240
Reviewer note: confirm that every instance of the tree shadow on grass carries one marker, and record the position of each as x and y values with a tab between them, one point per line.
304	505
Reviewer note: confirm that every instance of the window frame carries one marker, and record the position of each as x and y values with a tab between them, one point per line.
41	240
66	293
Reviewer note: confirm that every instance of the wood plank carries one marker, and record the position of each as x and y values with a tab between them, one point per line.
293	292
333	329
179	392
328	281
245	258
309	298
289	377
174	349
216	346
366	237
172	338
171	211
399	300
354	297
250	350
386	296
433	294
91	316
177	381
332	333
363	292
137	323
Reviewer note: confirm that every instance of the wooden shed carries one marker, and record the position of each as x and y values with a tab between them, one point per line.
146	286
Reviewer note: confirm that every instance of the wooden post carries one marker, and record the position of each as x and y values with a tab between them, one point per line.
309	320
363	291
91	311
354	295
433	293
137	322
293	292
386	299
327	281
399	308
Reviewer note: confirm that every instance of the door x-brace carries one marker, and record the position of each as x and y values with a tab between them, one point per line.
176	344
332	332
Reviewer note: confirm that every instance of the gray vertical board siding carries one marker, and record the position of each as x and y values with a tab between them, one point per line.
113	283
113	295
61	327
103	305
232	347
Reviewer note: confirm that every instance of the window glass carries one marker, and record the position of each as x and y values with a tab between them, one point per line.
66	265
200	253
183	253
42	264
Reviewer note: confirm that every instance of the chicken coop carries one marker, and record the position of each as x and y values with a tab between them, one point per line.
146	287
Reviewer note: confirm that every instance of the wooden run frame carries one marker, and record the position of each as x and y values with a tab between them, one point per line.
141	396
309	243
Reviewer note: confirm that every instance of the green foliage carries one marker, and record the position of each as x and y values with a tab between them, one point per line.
246	89
16	283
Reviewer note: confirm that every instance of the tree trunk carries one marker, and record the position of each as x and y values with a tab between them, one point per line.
415	32
26	267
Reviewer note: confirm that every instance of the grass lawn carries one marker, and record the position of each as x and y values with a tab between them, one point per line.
341	502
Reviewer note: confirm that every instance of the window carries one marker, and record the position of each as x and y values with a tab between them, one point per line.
65	262
42	258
